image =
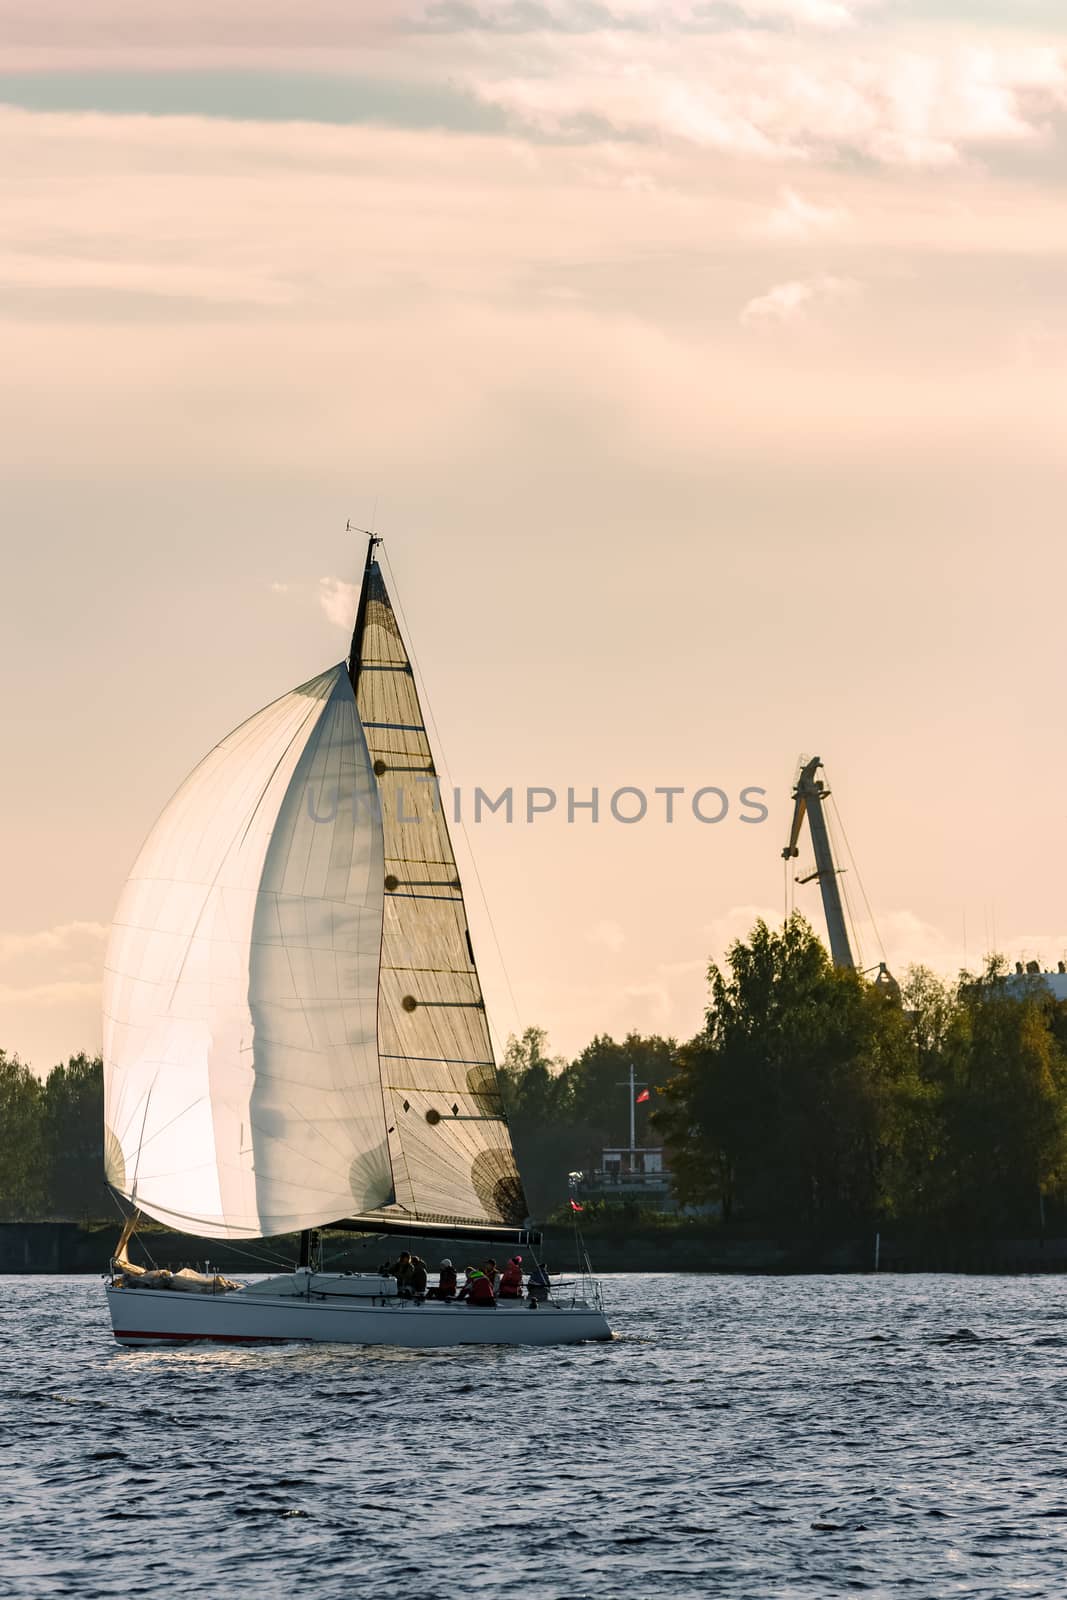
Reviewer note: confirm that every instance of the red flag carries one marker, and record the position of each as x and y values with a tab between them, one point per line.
576	1207
642	1097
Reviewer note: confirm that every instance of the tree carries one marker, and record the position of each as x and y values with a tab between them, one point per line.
23	1180
535	1099
562	1116
598	1089
72	1132
1005	1092
791	1103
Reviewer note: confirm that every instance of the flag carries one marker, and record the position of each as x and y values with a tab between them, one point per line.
576	1207
642	1097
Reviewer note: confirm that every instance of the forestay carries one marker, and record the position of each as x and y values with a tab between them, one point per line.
449	1144
242	1093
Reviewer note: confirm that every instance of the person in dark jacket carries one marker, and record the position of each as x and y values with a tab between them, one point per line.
538	1283
477	1291
490	1270
446	1283
418	1277
403	1270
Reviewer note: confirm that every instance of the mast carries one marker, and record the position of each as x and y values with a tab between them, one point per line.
809	794
448	1143
309	1239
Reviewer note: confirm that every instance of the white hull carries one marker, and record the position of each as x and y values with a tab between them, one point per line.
158	1317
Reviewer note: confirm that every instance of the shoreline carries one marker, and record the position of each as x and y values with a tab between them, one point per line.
34	1248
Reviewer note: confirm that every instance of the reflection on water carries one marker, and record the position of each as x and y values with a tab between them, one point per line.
742	1437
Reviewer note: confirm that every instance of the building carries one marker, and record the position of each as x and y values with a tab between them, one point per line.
1055	982
636	1173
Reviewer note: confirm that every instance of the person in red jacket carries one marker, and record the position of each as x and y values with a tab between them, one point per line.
511	1280
477	1291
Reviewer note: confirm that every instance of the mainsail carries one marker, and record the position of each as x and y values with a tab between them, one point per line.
449	1145
242	1095
294	1030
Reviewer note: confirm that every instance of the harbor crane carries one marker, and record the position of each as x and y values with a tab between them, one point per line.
809	794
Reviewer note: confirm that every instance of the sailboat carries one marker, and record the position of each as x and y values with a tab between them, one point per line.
295	1037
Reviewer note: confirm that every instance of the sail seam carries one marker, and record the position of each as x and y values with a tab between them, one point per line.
448	1061
316	710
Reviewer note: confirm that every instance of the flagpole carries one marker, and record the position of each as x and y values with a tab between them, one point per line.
633	1126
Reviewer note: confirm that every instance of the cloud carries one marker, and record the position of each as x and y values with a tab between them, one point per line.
632	16
909	940
763	97
279	588
52	968
60	993
795	218
773	80
147	277
343	98
63	938
653	1004
824	14
530	16
736	923
606	933
338	600
212	28
795	301
204	24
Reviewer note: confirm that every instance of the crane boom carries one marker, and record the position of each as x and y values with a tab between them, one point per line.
809	794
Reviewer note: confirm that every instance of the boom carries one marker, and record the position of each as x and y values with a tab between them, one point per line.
809	794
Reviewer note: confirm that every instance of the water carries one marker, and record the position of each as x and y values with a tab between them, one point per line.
742	1437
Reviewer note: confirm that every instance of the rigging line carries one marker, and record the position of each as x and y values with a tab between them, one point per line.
832	820
252	1255
134	1235
859	879
343	1254
432	720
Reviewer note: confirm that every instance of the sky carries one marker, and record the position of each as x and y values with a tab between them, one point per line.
702	363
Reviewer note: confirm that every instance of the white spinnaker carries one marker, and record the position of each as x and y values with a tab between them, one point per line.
242	1092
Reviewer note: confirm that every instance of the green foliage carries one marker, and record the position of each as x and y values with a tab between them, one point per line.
563	1116
1004	1119
809	1098
814	1097
22	1188
790	1100
617	1218
51	1140
73	1120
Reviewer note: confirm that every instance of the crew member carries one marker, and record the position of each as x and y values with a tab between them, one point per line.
538	1284
403	1271
446	1283
511	1280
477	1291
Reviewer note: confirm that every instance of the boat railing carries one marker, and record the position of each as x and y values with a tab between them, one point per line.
615	1178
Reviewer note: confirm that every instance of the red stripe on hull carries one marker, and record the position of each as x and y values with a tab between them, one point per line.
200	1338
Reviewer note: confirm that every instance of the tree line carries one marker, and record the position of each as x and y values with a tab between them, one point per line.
813	1095
810	1097
813	1098
51	1141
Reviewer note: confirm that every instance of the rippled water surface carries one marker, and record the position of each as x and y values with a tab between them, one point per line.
749	1437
